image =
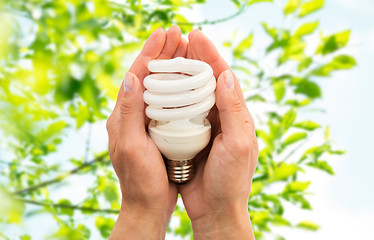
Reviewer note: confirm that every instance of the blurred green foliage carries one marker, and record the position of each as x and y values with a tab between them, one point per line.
61	64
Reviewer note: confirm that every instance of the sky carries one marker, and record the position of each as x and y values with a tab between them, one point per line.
343	204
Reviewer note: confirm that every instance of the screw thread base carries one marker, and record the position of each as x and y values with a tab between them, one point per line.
180	171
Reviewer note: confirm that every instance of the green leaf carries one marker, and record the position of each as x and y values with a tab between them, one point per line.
237	3
327	133
307	125
297	103
256	188
291	6
275	128
297	198
283	172
310	7
341	62
308	225
305	63
186	28
293	49
333	42
56	127
282	39
111	193
306	29
337	152
322	165
51	130
256	98
90	203
280	221
12	209
344	62
25	237
90	92
279	90
85	231
66	89
104	225
295	137
259	217
68	232
185	227
258	1
272	32
288	119
308	88
315	152
245	44
280	238
242	69
65	210
227	44
296	186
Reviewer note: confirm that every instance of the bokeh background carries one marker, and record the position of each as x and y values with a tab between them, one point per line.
306	70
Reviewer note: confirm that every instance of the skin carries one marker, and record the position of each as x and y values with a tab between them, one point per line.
216	199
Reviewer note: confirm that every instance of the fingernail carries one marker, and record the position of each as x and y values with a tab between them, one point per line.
129	82
229	80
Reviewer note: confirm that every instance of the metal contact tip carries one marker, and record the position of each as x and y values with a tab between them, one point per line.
180	171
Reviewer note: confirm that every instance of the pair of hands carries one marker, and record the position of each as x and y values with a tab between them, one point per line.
216	198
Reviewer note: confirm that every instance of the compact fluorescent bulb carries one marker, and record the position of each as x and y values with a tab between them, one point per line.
180	94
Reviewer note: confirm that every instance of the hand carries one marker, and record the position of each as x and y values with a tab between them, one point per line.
216	199
148	198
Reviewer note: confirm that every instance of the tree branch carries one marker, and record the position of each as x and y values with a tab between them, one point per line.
88	142
55	205
212	22
290	154
61	177
4	237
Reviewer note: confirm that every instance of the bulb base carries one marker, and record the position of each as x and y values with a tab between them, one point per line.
180	171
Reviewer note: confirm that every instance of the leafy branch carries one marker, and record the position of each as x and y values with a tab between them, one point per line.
57	179
57	205
216	21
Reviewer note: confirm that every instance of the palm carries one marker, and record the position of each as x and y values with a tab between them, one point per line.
155	177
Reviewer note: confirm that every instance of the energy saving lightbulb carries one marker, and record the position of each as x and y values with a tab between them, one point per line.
180	94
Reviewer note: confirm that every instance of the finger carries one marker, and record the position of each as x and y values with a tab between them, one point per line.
181	49
131	110
230	108
207	52
194	55
189	52
192	49
112	129
151	50
173	37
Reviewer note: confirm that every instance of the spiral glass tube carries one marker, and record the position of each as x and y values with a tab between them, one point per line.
180	94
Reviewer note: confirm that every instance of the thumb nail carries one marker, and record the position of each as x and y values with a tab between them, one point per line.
129	82
229	80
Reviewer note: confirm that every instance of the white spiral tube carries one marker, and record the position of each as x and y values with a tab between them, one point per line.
179	94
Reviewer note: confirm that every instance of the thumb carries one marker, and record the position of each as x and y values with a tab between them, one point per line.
131	108
229	106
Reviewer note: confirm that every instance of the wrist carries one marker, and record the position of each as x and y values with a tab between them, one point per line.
140	222
229	222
